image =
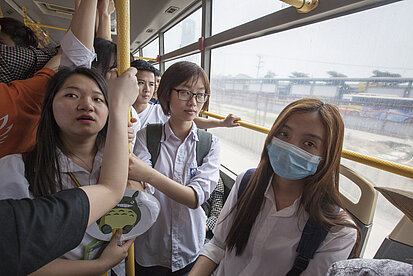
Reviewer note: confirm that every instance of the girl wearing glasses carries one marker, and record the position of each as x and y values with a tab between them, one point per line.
173	243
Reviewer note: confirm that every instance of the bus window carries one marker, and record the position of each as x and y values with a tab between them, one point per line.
152	49
245	10
184	33
338	61
192	58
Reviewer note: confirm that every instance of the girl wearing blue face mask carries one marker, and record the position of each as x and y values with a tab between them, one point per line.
296	181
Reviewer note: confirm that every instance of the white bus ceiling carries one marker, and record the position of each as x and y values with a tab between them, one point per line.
147	16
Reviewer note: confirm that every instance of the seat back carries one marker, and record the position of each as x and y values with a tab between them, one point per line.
362	211
228	177
399	244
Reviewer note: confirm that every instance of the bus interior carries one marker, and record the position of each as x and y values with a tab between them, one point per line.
261	55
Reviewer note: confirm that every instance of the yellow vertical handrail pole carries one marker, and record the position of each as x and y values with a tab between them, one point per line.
123	57
123	41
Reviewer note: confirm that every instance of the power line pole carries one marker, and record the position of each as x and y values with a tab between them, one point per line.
260	64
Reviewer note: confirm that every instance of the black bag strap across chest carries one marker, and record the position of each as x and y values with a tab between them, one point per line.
153	143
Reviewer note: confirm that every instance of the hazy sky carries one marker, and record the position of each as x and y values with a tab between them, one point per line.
354	45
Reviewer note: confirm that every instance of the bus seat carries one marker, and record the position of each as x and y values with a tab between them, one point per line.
228	177
363	211
399	244
364	267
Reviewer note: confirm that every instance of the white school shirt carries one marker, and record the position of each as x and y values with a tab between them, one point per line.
74	53
12	172
177	236
14	185
135	126
271	248
152	114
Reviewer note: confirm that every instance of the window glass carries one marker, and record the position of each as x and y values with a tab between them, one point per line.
152	49
363	69
184	33
227	14
192	58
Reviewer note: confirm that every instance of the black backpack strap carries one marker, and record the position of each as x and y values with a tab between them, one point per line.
244	181
153	141
311	238
203	145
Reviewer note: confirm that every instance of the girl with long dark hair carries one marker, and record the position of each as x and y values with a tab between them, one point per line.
68	154
296	179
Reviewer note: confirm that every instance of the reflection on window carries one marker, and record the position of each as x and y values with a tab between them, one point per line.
184	33
152	49
366	70
227	14
192	58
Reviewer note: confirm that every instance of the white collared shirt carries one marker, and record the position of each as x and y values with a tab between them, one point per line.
12	170
152	114
85	179
135	126
177	236
273	241
14	185
74	53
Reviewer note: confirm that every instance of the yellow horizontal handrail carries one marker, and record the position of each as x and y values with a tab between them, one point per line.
46	26
351	155
243	124
145	58
28	23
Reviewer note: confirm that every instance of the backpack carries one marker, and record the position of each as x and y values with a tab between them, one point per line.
153	143
310	240
203	145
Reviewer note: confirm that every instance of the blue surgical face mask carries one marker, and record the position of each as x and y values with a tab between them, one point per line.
291	162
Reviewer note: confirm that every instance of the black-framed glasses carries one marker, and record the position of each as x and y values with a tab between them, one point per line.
186	95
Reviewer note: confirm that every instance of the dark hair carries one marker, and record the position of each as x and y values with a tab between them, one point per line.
20	34
42	168
320	195
158	73
180	72
105	51
143	65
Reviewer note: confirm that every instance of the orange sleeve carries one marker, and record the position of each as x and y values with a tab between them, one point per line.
27	93
20	108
